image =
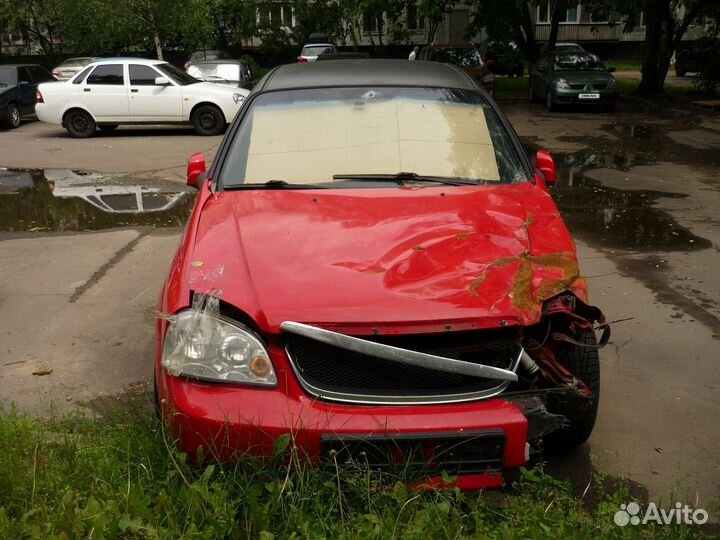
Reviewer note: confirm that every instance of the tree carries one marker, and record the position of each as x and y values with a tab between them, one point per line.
434	11
666	22
507	20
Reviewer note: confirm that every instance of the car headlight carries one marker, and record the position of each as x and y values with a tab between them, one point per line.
238	98
208	348
612	83
561	83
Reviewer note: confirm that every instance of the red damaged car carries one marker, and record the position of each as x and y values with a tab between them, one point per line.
374	266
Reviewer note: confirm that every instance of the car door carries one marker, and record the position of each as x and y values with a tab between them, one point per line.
150	102
105	94
26	91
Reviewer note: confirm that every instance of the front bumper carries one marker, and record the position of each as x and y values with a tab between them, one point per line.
572	96
229	421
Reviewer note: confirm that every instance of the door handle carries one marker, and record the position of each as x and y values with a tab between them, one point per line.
86	89
134	90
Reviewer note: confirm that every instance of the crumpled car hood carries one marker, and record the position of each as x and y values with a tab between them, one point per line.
385	260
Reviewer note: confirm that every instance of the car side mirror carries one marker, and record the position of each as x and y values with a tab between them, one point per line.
196	167
162	81
611	69
546	165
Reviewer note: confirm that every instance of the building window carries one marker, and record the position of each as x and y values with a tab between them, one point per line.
642	19
287	17
274	14
413	21
544	13
372	23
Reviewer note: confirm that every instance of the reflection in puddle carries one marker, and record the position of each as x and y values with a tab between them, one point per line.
64	200
616	218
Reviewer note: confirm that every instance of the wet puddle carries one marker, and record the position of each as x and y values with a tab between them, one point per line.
616	218
71	200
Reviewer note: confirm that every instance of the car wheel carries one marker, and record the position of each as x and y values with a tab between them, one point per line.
609	106
680	70
13	116
584	363
80	124
549	103
208	120
108	127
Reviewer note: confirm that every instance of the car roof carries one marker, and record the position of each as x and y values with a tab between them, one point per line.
365	72
318	45
19	65
453	46
144	61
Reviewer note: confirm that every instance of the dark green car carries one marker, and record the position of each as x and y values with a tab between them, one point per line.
573	78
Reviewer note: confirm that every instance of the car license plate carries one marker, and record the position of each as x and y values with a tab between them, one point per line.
589	96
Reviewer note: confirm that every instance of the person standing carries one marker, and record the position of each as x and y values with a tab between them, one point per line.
413	54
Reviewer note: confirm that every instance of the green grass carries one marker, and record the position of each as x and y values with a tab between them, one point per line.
122	478
624	64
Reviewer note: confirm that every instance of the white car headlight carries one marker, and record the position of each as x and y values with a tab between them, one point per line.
612	83
204	347
561	83
238	98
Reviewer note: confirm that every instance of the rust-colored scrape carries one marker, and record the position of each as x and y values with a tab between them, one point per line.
521	291
464	235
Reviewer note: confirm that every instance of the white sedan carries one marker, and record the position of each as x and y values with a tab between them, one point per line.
115	91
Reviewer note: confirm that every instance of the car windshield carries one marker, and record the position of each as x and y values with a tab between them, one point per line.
177	75
225	72
315	50
8	76
577	62
308	137
210	55
461	56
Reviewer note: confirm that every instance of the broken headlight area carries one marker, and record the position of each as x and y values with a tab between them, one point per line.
202	344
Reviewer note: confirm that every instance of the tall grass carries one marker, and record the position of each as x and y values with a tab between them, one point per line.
76	477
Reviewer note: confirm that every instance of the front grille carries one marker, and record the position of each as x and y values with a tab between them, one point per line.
326	371
418	455
599	86
577	86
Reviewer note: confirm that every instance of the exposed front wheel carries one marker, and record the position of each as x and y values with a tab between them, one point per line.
208	120
583	361
13	116
80	124
680	70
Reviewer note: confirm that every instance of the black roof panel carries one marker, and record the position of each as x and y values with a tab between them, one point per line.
367	73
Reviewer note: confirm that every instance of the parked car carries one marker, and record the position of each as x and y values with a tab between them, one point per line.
18	85
311	51
344	55
116	91
232	72
562	46
439	317
465	56
573	78
204	55
71	67
693	58
504	58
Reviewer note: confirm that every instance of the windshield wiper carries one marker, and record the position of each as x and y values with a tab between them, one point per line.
275	184
402	177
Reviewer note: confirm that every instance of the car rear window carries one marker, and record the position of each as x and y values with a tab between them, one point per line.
325	132
315	50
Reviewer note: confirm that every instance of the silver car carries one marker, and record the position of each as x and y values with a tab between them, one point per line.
71	67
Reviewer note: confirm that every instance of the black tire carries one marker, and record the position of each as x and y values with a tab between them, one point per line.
549	102
13	116
680	70
80	124
107	128
208	120
584	363
609	106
